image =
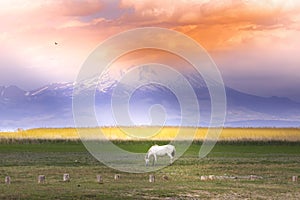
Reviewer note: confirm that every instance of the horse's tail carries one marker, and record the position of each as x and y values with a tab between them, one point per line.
173	152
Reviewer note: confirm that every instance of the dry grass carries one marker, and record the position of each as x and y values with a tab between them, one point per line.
154	133
275	162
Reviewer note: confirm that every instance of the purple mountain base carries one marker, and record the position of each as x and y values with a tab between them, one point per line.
51	106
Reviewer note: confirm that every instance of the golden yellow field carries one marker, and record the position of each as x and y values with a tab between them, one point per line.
154	133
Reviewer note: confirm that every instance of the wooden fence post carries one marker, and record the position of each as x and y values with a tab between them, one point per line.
151	178
99	179
203	178
7	180
117	176
211	177
294	178
41	179
66	178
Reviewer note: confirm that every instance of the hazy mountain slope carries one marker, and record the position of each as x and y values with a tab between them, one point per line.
51	106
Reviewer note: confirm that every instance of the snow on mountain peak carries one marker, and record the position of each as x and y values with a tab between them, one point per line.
39	91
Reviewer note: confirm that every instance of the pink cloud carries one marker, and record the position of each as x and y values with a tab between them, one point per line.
215	24
227	29
75	8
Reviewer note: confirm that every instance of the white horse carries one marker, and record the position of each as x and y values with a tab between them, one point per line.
164	150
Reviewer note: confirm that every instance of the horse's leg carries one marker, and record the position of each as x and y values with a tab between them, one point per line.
154	159
171	158
146	160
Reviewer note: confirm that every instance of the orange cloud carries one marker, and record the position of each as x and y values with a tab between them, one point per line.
224	27
215	24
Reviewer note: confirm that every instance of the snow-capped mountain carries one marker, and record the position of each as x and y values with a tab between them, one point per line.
51	105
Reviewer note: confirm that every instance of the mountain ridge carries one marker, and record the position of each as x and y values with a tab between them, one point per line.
51	106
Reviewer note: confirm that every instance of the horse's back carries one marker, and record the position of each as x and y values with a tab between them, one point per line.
156	148
169	146
163	150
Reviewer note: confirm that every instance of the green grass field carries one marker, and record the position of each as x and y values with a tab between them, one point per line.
276	162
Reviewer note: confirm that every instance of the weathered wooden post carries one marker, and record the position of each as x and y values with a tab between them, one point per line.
99	179
211	177
203	178
252	177
165	177
294	178
7	180
66	178
41	179
117	176
151	178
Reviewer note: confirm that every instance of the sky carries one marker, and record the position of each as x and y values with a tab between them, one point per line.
255	44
